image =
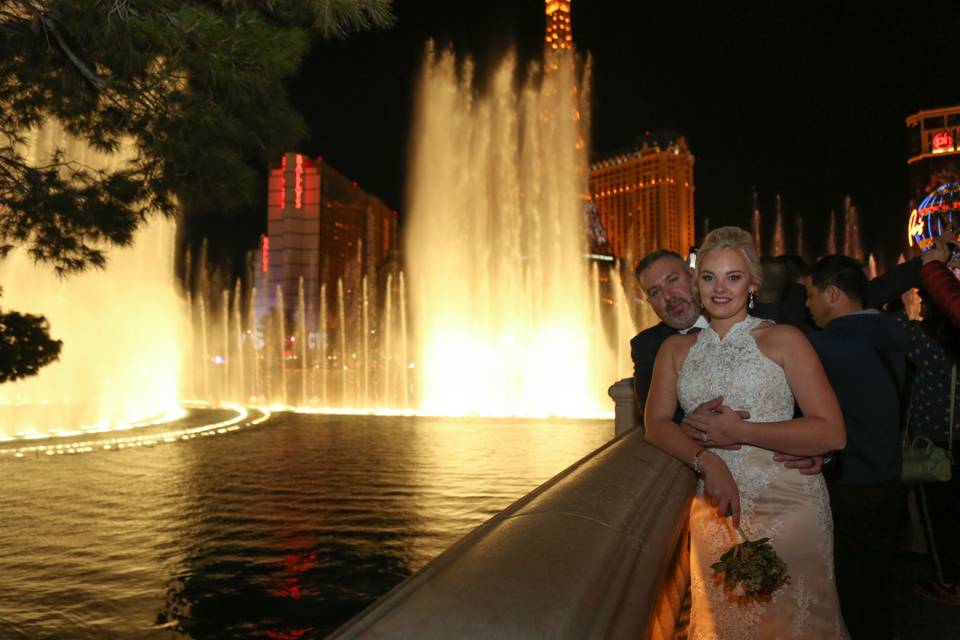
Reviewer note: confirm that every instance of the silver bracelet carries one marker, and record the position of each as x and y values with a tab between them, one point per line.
695	463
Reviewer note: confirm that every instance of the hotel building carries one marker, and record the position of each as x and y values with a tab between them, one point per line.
644	196
559	32
933	150
321	227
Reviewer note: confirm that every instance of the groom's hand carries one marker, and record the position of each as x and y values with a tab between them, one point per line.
807	466
706	408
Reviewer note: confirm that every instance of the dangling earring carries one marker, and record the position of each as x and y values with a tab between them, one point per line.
750	301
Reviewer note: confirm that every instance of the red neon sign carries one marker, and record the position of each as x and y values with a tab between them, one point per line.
942	140
298	185
265	254
283	182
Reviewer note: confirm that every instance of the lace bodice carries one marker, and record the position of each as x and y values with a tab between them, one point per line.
791	509
735	368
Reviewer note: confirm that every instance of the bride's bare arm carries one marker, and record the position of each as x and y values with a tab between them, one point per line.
663	432
821	428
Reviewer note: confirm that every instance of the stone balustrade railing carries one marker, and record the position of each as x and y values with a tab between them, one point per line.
598	551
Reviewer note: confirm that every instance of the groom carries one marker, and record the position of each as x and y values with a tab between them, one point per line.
667	284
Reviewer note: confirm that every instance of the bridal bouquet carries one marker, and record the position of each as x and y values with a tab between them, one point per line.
751	569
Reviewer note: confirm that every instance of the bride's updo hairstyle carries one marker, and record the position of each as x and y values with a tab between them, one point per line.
729	238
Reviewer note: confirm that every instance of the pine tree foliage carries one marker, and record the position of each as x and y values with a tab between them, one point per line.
25	345
196	86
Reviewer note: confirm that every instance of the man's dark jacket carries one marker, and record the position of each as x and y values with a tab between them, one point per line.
864	357
643	349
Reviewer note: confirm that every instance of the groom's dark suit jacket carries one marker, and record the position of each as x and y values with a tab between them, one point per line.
643	349
880	291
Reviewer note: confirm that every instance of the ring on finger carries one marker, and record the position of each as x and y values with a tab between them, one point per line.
703	437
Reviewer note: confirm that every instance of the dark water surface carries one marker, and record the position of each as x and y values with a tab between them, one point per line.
279	531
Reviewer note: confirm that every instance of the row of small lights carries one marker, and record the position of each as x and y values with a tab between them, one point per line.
170	416
639	185
120	443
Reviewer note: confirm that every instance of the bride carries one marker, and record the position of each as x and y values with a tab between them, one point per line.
759	368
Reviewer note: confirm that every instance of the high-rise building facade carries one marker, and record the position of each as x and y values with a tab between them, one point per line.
644	196
559	32
933	150
321	227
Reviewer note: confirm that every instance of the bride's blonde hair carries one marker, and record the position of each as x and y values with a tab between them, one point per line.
729	238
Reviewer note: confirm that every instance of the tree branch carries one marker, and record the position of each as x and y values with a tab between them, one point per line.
51	25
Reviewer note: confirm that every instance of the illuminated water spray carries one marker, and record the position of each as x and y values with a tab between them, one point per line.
495	245
755	224
852	245
778	245
832	235
122	328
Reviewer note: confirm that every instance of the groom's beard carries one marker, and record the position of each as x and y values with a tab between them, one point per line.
681	313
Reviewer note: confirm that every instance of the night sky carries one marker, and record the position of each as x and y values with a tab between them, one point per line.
806	100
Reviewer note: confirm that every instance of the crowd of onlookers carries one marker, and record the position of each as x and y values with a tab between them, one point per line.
920	356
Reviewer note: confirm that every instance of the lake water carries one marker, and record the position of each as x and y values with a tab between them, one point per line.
280	531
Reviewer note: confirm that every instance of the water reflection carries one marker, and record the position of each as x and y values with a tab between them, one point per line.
279	532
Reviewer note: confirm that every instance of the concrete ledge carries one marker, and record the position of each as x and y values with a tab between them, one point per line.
585	555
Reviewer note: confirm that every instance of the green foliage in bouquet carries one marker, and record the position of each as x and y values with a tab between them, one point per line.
751	570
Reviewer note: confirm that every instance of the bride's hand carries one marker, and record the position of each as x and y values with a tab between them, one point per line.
708	408
722	427
719	485
806	465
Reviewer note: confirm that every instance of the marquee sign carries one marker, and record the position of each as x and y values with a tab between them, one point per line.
937	210
942	142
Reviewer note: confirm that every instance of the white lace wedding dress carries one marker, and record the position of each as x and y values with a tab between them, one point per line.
791	509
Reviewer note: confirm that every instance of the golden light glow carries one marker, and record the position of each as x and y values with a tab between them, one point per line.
121	327
532	371
506	310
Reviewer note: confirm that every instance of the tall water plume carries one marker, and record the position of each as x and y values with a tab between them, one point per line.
778	245
756	224
496	245
122	327
852	245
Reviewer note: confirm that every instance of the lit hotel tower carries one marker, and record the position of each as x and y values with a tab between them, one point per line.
559	34
321	227
644	196
933	150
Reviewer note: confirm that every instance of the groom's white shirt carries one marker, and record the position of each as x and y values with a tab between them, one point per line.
701	323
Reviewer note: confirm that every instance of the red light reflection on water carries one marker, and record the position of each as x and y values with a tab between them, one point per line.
288	584
294	566
291	634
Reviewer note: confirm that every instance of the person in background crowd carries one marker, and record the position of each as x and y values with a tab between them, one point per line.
934	345
863	353
795	265
937	277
